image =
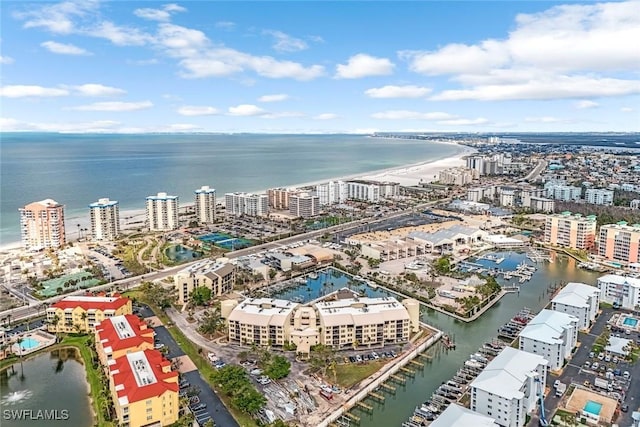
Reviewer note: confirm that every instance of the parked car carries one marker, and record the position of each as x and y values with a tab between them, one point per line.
624	408
198	407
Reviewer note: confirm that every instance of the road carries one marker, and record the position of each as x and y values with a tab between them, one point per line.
535	172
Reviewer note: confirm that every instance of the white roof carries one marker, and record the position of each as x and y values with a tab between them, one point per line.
458	416
507	373
263	312
548	326
620	280
617	344
576	294
89	298
361	311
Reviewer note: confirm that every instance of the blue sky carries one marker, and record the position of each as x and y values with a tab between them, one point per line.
316	66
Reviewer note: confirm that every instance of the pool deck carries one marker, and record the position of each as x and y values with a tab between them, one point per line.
581	396
43	338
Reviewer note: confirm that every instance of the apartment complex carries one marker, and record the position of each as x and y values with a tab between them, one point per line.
82	313
332	192
343	323
246	204
599	196
572	231
105	219
620	242
42	225
561	191
459	416
520	196
508	388
458	176
162	212
552	335
205	205
218	275
621	290
118	335
279	197
366	191
578	300
144	389
304	205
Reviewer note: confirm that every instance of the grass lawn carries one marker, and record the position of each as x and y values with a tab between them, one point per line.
195	353
351	374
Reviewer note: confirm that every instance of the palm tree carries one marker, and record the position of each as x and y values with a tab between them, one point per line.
19	342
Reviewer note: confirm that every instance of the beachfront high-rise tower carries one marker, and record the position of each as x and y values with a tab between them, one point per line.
206	205
42	225
162	212
105	219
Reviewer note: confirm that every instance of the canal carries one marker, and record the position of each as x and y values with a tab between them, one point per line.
469	337
47	390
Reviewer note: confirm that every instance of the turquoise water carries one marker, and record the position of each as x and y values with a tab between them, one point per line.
328	280
593	407
76	170
629	321
179	253
29	343
226	241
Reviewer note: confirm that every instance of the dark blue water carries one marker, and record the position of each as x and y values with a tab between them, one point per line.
76	170
179	253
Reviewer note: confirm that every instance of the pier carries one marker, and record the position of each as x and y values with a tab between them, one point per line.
377	396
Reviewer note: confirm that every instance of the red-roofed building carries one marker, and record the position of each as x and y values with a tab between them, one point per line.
119	335
81	313
144	389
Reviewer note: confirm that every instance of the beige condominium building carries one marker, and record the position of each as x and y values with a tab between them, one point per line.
218	275
620	242
144	389
42	225
342	323
105	219
205	205
82	313
118	335
569	230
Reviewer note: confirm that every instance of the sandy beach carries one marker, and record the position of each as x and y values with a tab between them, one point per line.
406	175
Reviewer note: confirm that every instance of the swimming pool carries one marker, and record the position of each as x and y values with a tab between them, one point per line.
592	407
29	343
630	321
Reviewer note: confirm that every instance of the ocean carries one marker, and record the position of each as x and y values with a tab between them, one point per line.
78	169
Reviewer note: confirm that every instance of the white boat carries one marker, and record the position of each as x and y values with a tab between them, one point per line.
313	275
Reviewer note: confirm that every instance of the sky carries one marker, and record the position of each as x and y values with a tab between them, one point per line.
319	66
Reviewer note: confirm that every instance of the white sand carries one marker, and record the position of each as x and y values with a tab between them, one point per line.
406	175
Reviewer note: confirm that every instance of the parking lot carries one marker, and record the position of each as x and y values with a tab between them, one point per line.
580	370
205	403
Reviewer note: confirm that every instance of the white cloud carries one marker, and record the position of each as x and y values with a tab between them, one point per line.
326	116
172	7
550	87
8	125
273	98
408	91
585	103
627	110
23	91
96	89
114	106
464	122
225	25
119	35
363	65
412	115
246	110
151	61
64	49
286	43
282	114
6	60
578	49
197	110
152	14
57	18
544	119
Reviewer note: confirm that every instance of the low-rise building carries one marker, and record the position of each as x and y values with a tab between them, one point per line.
621	290
144	389
459	416
552	335
509	387
217	275
119	335
578	300
261	321
81	314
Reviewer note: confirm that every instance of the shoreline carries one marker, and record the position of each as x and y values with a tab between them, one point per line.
406	175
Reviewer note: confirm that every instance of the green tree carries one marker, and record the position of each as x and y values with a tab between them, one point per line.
230	378
211	322
249	400
278	367
442	265
272	273
200	295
